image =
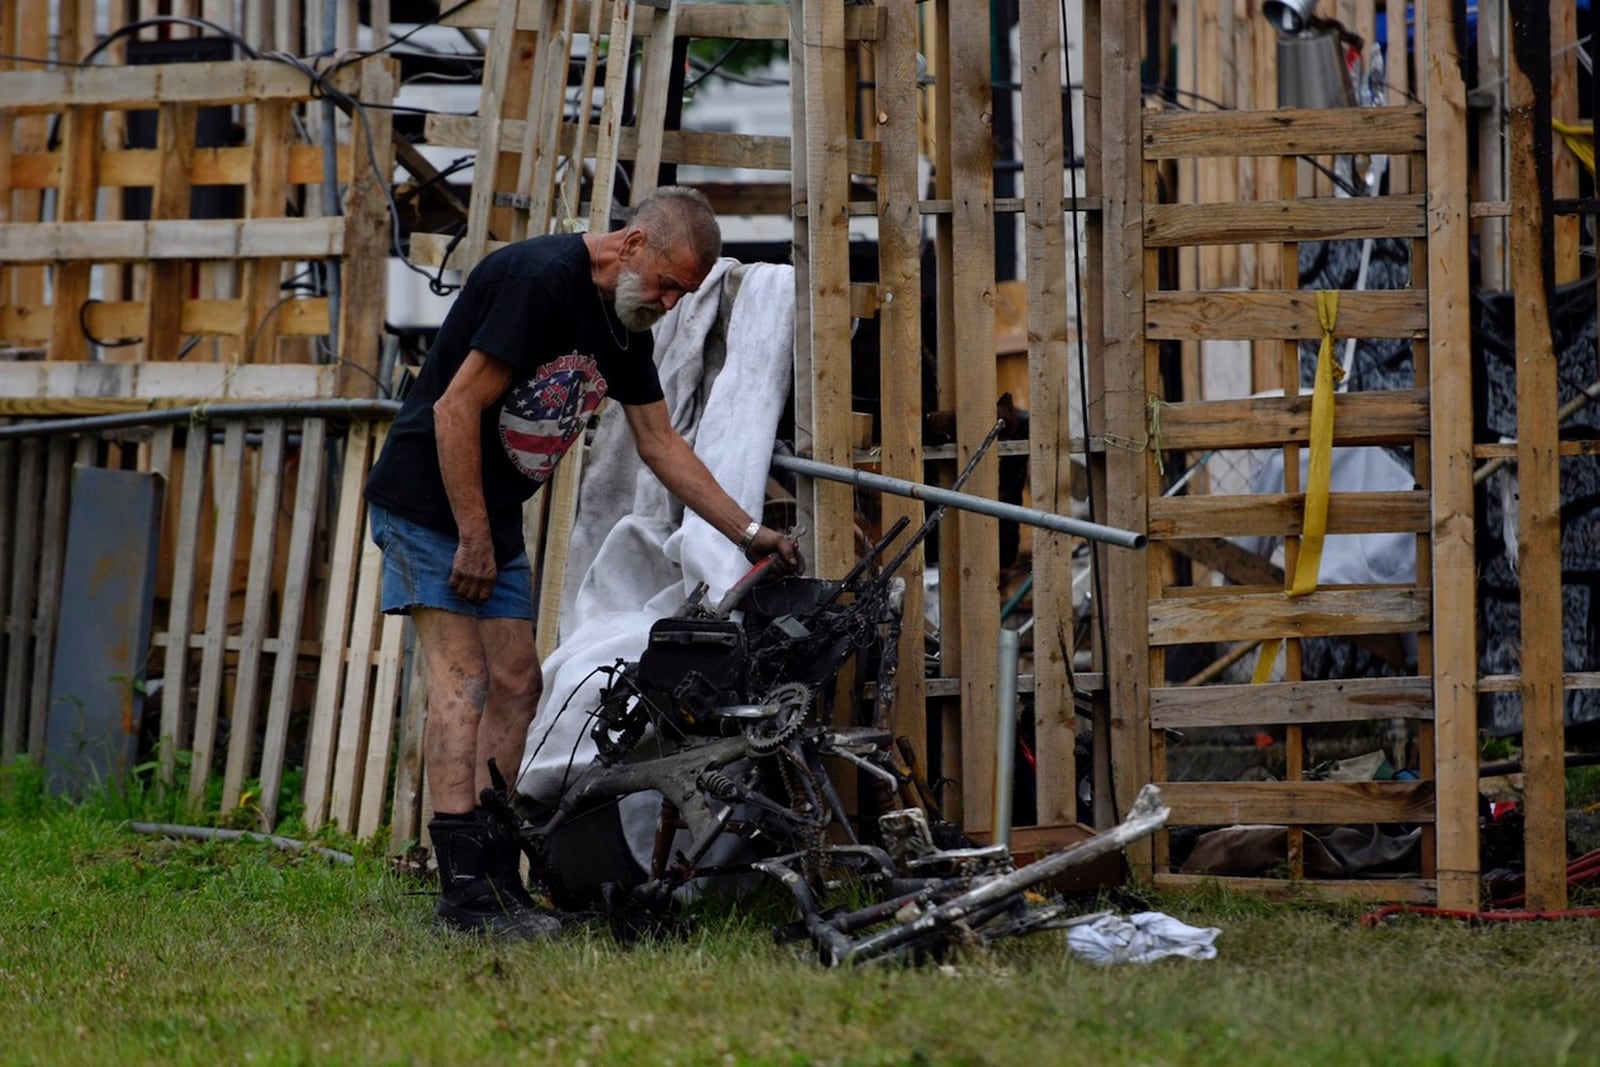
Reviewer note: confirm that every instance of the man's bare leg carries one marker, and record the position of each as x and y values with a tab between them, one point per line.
482	687
515	682
458	689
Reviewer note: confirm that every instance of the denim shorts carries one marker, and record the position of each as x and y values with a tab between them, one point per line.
417	561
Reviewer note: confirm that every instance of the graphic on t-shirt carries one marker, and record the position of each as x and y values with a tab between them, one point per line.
543	415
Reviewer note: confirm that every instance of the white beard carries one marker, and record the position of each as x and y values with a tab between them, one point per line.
631	309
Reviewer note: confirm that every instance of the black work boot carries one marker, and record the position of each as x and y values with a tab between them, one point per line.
476	893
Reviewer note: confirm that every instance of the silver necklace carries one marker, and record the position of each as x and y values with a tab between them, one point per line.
605	313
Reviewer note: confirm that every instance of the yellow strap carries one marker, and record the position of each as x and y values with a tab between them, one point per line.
1314	528
1320	475
1266	660
1579	139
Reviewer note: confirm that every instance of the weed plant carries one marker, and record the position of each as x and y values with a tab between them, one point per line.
117	947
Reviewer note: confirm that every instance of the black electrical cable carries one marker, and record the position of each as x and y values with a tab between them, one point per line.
703	73
1098	608
83	328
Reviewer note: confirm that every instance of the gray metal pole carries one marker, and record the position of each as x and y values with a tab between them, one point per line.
1047	520
265	409
1005	735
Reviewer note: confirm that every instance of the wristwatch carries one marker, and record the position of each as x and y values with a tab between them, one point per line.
748	538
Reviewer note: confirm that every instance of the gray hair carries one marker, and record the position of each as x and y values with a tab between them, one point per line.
676	216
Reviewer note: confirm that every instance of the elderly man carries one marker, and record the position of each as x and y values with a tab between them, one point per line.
542	332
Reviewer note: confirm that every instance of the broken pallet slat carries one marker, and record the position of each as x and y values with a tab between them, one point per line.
381	729
229	486
176	718
263	554
309	470
356	711
52	540
24	594
344	550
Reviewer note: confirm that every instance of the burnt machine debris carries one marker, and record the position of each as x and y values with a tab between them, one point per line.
729	715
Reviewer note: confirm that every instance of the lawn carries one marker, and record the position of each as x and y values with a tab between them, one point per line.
129	948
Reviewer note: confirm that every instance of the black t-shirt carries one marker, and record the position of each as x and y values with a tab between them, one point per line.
534	305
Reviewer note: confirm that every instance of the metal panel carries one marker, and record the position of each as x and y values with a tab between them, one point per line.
103	637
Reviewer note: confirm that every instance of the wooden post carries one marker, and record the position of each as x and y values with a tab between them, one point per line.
1564	107
75	202
1455	666
1538	476
973	283
900	336
827	237
1050	403
1491	146
1125	440
169	199
269	181
367	235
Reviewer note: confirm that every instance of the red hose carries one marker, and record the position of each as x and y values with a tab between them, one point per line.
1585	868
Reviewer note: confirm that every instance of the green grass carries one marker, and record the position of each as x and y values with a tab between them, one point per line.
123	948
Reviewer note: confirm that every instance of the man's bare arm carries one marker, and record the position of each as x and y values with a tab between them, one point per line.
481	381
671	459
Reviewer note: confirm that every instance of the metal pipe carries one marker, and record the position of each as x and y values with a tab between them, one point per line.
349	409
330	176
1005	735
1047	520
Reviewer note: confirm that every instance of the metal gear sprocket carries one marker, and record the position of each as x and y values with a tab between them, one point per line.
793	700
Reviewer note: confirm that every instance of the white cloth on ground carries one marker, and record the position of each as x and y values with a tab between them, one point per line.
1141	938
635	556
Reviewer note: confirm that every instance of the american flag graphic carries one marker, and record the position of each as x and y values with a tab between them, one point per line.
544	414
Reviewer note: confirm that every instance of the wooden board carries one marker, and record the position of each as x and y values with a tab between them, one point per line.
1303	803
229	487
1538	559
1260	315
1449	361
1282	514
900	342
1282	132
344	549
263	554
1050	403
1283	703
1326	219
309	474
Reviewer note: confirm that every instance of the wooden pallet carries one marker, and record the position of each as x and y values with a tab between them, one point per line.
209	291
1150	610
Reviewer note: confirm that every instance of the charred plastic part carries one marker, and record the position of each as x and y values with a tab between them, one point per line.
928	921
